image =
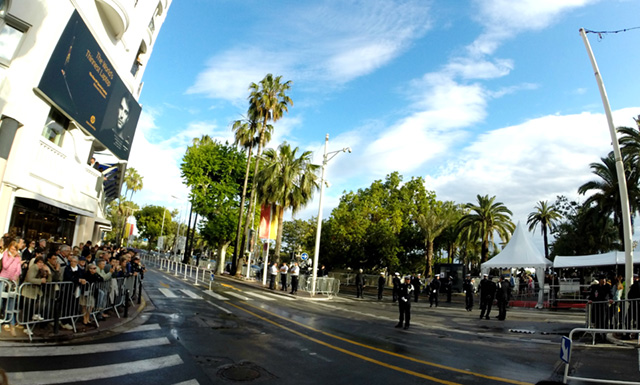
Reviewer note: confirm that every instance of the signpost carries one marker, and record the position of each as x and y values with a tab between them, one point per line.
565	349
304	256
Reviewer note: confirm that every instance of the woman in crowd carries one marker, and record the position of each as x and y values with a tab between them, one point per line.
37	275
87	297
11	270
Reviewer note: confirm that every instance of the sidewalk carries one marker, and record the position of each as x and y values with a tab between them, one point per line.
43	332
301	294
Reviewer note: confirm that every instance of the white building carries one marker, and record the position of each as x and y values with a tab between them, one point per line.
70	77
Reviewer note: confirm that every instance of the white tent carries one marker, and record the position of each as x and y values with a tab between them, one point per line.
521	252
610	258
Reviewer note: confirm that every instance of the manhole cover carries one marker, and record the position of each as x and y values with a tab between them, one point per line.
239	373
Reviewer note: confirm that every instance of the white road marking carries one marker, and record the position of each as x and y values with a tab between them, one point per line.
190	294
216	295
264	297
82	349
190	382
144	328
219	307
242	297
167	293
276	296
93	372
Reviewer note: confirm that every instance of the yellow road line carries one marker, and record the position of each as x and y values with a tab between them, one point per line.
164	284
230	286
449	368
365	358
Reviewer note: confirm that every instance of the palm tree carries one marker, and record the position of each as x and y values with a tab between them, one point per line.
606	198
485	219
269	101
433	219
287	181
247	135
133	180
546	216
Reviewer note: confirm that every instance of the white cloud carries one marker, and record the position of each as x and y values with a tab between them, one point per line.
523	164
503	19
317	43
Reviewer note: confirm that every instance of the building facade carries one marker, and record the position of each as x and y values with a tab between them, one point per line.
70	78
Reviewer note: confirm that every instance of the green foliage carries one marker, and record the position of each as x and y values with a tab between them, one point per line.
582	230
215	173
149	223
299	236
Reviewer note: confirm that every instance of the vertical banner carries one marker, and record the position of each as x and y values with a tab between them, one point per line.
275	217
265	221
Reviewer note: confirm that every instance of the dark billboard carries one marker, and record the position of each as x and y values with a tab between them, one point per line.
80	80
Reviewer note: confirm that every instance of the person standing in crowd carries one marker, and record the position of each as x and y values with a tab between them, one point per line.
381	282
284	269
29	252
487	294
273	274
11	270
359	284
417	286
599	300
449	288
42	247
634	306
467	288
434	290
396	285
404	302
295	277
323	272
502	295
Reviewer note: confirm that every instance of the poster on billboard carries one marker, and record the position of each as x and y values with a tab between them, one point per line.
81	81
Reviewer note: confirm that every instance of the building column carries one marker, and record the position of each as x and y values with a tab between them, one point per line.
8	129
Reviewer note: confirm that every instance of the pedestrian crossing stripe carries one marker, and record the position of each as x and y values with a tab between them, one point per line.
167	293
264	297
190	294
242	297
277	296
82	349
190	382
216	295
92	373
143	328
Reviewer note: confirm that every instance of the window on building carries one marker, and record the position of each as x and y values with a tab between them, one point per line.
55	127
12	31
137	63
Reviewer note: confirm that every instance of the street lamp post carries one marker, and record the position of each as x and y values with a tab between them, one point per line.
325	159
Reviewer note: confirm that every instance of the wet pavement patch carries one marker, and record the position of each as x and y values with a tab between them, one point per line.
244	372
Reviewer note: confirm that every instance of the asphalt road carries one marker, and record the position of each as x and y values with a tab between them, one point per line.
238	333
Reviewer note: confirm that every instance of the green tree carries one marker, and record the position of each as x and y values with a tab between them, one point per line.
247	133
546	216
606	193
298	236
133	180
287	181
433	218
270	101
582	230
149	222
483	220
214	171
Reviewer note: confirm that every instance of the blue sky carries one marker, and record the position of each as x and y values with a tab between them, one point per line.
492	97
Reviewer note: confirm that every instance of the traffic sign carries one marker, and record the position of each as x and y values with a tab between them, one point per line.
565	349
304	256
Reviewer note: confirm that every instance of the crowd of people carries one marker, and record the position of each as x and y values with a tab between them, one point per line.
35	263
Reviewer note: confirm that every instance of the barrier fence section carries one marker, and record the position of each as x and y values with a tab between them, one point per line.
8	297
604	317
65	301
324	285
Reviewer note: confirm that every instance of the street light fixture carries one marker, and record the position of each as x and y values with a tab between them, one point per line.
326	158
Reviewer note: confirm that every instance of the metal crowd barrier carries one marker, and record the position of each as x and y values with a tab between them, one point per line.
324	285
58	301
8	296
614	316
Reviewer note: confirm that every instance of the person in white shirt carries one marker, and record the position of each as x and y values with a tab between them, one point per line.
295	275
273	273
284	269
